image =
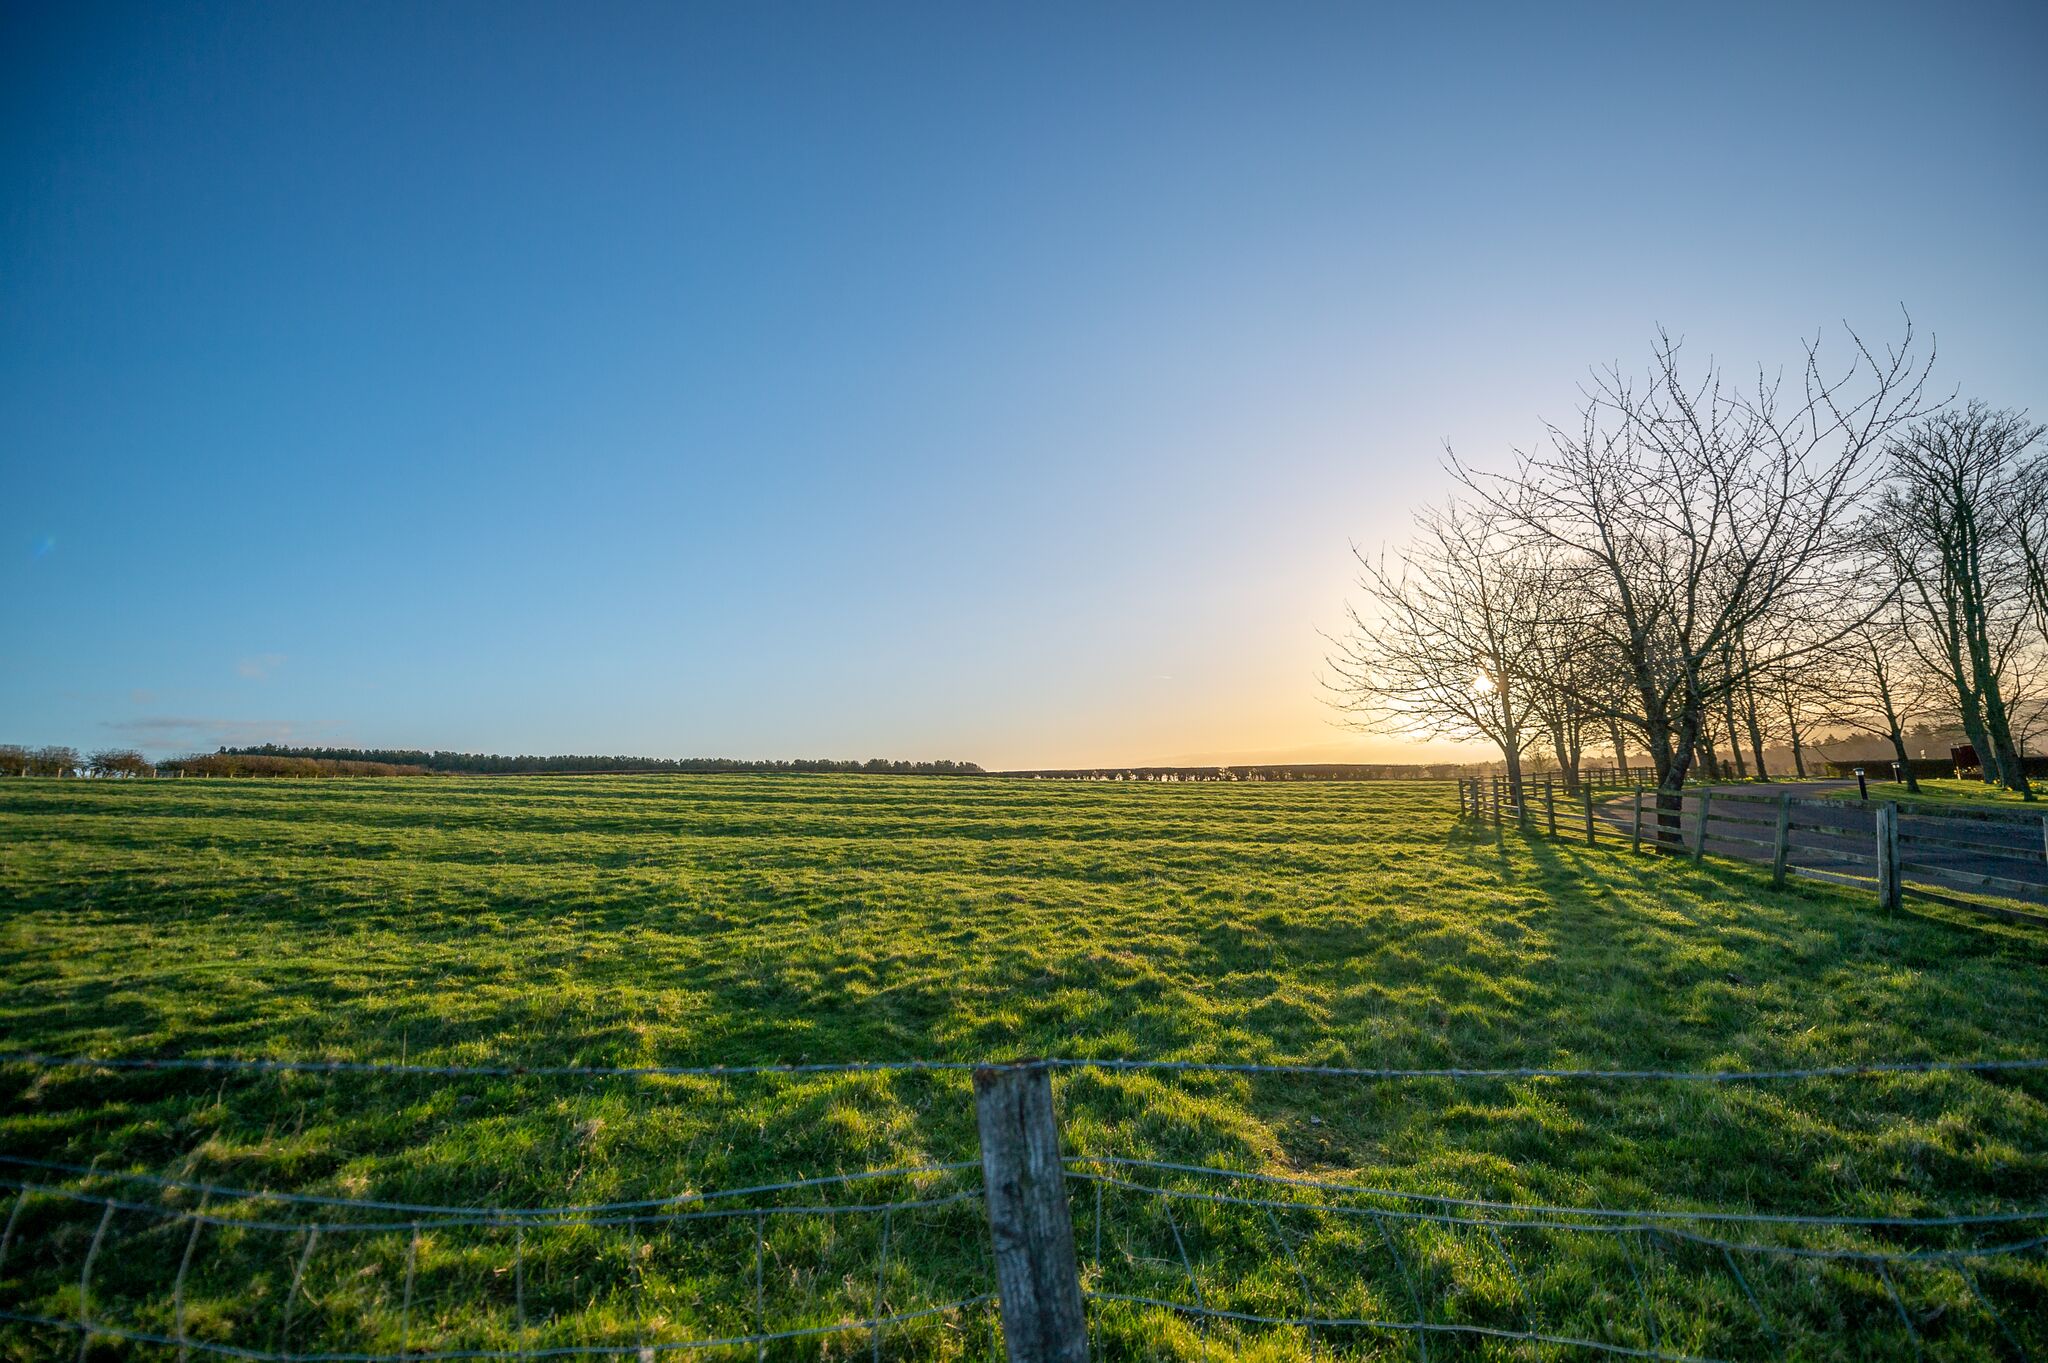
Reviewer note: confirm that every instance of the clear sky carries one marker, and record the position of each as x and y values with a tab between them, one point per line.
1001	383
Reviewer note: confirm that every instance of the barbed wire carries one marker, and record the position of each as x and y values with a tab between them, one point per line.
519	1354
235	1064
99	1211
105	1193
1204	1307
1527	1209
1998	1251
429	1209
239	1064
1408	1326
1650	1223
490	1217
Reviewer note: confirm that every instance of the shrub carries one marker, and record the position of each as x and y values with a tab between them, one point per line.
119	762
54	760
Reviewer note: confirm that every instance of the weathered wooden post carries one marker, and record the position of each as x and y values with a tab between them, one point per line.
1550	803
1024	1187
1699	846
1586	793
1888	895
1781	843
1635	832
1496	802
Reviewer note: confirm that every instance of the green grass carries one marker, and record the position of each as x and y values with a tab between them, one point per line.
748	919
1946	793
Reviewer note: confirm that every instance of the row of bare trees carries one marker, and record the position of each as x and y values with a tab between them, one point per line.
1700	567
57	760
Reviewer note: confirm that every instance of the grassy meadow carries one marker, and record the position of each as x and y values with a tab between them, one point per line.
1949	793
738	920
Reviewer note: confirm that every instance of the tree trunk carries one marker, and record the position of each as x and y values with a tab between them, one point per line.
1673	755
1734	742
1620	749
1756	731
1514	773
1905	762
1973	729
1998	725
1558	750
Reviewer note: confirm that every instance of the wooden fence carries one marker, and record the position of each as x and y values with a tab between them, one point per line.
1891	849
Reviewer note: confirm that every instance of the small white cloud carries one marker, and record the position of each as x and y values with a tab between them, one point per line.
259	666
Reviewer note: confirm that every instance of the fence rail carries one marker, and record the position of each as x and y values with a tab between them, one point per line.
1889	849
1080	1253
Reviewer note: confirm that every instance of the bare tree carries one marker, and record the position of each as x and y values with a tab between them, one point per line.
1876	682
1442	645
1952	524
1706	514
2030	521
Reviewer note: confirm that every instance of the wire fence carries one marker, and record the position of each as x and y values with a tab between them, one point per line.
1307	1256
203	1270
1174	1258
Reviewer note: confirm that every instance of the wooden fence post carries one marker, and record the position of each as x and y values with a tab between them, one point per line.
1635	832
1550	803
1782	842
1586	792
1496	802
1699	846
1024	1187
1888	895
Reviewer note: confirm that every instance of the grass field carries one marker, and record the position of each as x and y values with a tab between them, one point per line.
1945	793
737	920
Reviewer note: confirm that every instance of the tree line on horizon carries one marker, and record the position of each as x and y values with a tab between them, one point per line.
491	764
1266	771
271	759
1699	569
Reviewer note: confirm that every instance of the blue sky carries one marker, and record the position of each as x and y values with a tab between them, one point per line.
998	383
